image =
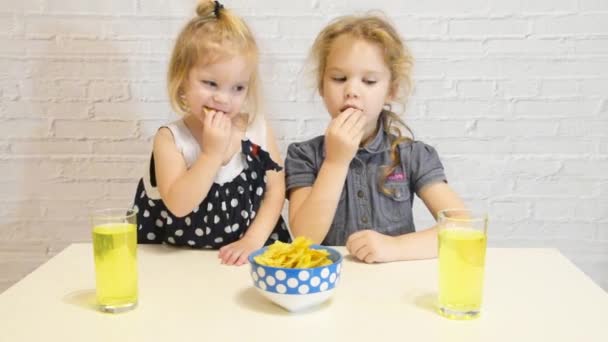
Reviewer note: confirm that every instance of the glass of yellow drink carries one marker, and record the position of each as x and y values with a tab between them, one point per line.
462	251
115	253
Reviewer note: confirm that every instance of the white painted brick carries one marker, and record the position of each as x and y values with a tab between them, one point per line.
12	68
410	27
77	47
93	129
555	189
474	189
472	145
518	88
45	90
509	211
77	170
113	7
24	128
311	128
133	147
9	90
148	128
468	109
593	210
554	210
46	27
603	146
529	47
8	24
430	7
167	7
146	27
594	87
425	89
284	45
284	129
492	128
29	109
482	78
291	27
531	168
286	91
488	27
583	128
555	108
108	91
30	6
478	168
585	169
476	89
425	48
562	88
286	110
123	191
544	6
593	5
134	110
591	46
49	147
571	25
440	128
552	145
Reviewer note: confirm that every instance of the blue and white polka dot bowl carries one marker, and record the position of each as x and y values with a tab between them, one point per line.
297	289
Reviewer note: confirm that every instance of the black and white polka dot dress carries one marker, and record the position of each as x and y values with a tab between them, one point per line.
224	215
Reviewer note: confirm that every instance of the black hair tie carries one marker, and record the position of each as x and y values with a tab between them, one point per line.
217	9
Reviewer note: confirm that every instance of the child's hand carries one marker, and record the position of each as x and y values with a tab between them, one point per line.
216	133
237	252
370	246
344	135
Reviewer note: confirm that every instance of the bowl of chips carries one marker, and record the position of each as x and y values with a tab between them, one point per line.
296	276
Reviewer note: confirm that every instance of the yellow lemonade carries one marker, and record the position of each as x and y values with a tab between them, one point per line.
461	266
115	250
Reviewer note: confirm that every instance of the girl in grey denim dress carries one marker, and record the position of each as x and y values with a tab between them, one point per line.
355	184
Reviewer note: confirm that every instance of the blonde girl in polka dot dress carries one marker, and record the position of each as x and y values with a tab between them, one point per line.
213	180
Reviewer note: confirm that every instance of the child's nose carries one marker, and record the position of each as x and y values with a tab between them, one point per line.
220	97
351	91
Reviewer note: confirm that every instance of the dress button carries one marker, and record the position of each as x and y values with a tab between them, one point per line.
364	219
360	193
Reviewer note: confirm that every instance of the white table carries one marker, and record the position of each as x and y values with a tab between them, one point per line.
187	295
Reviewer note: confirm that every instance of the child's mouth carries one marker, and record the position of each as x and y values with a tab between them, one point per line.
349	106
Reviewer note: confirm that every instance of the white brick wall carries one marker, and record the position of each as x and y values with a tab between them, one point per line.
512	93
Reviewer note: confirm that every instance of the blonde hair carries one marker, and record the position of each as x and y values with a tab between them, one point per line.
215	33
374	29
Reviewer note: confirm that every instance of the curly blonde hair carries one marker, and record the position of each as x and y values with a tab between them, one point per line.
213	34
376	29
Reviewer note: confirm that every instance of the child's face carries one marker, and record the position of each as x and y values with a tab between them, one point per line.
356	76
220	86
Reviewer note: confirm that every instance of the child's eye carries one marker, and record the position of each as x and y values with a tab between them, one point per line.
370	82
240	88
339	79
209	83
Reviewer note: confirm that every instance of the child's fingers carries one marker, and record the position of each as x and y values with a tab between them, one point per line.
351	120
242	259
364	253
355	242
341	118
234	256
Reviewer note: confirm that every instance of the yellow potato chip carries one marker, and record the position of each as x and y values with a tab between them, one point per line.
298	254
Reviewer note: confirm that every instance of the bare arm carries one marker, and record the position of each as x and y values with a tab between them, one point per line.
423	244
181	189
274	196
312	209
